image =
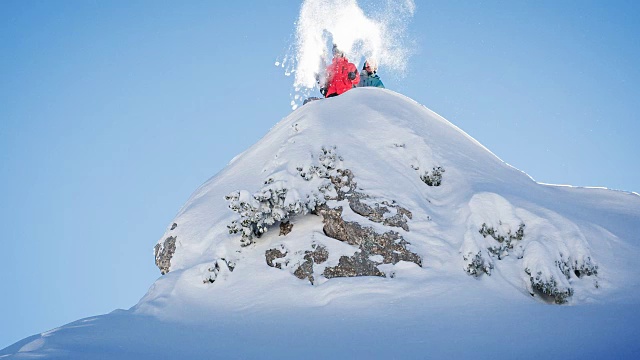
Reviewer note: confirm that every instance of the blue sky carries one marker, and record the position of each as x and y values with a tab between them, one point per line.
113	113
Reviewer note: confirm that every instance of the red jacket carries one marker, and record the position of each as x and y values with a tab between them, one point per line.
338	76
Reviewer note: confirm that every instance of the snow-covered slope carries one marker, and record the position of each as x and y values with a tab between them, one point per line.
399	221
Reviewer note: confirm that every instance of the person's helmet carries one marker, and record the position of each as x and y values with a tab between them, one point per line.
336	51
373	65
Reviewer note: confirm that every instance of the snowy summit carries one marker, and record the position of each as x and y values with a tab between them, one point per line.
368	222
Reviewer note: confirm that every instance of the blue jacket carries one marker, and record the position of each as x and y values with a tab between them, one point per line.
370	80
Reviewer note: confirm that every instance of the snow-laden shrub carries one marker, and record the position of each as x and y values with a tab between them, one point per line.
505	242
555	281
476	264
497	242
221	266
271	204
551	256
549	286
433	178
547	279
277	201
578	267
328	161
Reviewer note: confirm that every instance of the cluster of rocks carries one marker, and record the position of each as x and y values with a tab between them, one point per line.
389	245
373	248
164	252
278	258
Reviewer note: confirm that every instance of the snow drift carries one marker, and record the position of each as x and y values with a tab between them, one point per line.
368	209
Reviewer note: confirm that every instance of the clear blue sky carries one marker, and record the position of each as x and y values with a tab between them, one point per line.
113	112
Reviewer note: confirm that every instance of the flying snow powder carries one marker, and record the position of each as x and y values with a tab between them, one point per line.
374	31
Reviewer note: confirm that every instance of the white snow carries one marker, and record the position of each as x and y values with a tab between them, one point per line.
373	30
435	311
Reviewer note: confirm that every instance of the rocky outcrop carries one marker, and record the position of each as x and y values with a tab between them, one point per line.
373	248
164	252
358	202
317	256
273	254
357	265
376	213
285	228
389	247
346	188
305	261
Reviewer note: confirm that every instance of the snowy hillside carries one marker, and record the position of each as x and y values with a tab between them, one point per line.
370	222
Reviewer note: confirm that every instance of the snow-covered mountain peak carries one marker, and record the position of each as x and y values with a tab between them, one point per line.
373	186
370	223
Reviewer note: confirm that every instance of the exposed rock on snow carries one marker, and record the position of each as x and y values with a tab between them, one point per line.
317	256
390	245
357	265
164	252
274	254
303	261
285	228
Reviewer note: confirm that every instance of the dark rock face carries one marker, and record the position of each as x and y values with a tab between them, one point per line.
317	256
285	228
274	254
346	189
377	212
373	248
390	245
164	252
343	183
386	248
305	271
356	265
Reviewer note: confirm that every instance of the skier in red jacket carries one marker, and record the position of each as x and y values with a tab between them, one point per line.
341	75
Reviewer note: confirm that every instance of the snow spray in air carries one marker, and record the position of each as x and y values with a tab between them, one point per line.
375	30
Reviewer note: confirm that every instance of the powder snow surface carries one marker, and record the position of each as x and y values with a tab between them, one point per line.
435	311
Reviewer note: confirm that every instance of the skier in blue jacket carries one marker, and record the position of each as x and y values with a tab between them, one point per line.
369	76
